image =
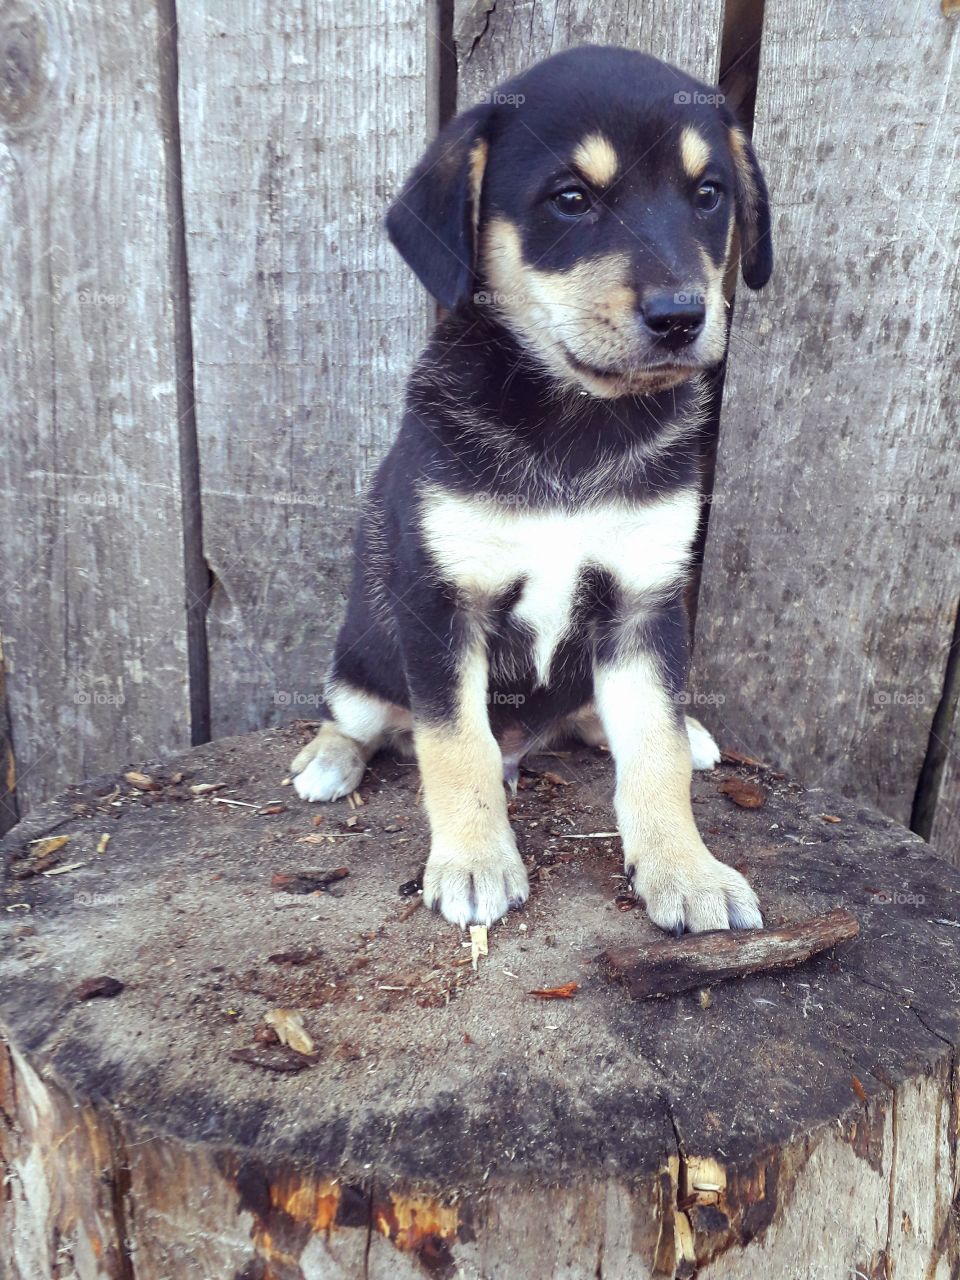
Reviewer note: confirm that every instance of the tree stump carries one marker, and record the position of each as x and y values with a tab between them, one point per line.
798	1124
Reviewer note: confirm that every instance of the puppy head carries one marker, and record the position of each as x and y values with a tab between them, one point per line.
592	203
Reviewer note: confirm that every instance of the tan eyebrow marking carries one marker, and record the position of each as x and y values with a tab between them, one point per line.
694	151
596	159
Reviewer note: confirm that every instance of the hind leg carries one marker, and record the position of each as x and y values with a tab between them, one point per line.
332	764
585	725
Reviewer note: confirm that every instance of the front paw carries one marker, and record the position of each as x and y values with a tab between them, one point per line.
475	886
329	767
692	890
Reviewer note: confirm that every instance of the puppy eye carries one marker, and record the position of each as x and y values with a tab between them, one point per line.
571	202
707	197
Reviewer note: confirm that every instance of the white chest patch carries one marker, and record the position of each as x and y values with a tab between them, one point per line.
483	547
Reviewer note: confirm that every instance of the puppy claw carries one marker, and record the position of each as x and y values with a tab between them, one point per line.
742	918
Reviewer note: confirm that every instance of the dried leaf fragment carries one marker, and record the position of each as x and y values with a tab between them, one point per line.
830	817
47	845
564	992
479	944
858	1088
140	781
745	794
288	1024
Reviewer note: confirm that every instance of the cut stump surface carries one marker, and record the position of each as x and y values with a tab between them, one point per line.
447	1121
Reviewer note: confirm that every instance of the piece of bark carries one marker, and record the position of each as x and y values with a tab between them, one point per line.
276	1057
701	960
104	986
307	881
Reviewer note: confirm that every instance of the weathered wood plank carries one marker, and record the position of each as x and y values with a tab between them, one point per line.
945	836
494	41
829	581
298	123
91	582
9	810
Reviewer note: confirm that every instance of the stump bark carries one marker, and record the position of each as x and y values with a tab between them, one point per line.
799	1123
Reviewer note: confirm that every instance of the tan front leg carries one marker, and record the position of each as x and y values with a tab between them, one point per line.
680	881
474	873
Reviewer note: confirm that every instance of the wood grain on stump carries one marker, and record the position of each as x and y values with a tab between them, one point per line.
797	1124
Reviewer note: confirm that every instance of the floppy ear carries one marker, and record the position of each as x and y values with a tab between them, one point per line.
434	220
753	209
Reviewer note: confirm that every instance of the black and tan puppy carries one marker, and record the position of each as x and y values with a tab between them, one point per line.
521	556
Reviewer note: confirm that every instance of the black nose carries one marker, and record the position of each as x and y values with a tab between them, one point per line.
674	319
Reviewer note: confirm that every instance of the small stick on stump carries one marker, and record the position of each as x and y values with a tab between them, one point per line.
669	967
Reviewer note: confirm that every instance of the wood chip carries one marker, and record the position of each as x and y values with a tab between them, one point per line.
275	1057
62	871
46	845
205	788
745	794
479	944
36	867
288	1024
556	779
564	992
102	986
307	881
269	809
858	1089
141	781
103	842
830	817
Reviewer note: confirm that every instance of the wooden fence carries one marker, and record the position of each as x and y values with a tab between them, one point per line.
206	337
